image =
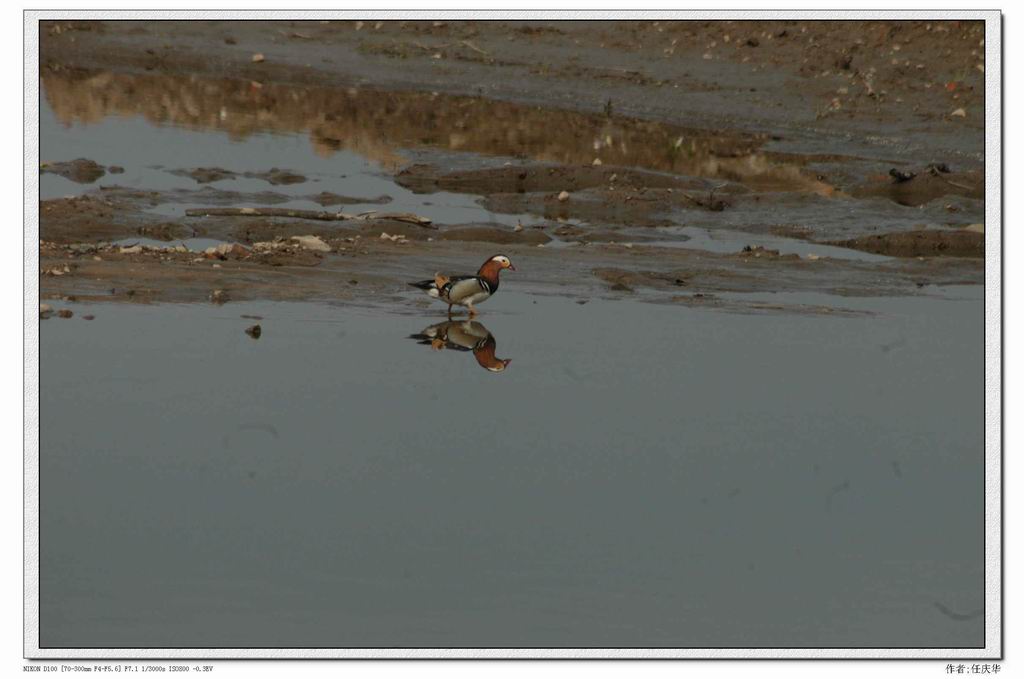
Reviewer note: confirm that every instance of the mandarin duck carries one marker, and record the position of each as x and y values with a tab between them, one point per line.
464	336
466	290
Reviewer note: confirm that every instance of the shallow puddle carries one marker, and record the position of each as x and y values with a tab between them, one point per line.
638	475
132	143
381	124
725	241
351	141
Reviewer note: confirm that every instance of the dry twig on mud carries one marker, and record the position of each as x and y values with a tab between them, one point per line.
473	47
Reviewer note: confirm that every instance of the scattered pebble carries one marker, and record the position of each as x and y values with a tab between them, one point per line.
312	243
65	313
258	58
563	196
959	113
222	251
254	331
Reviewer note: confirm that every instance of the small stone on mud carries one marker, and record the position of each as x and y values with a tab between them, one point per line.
258	58
45	310
312	243
218	296
959	113
563	196
899	176
226	250
254	331
65	313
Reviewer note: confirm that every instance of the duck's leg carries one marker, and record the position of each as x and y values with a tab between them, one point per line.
449	312
472	311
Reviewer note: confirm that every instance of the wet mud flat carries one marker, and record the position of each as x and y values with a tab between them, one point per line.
742	345
153	132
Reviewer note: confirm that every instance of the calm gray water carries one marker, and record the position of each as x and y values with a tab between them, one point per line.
149	153
640	475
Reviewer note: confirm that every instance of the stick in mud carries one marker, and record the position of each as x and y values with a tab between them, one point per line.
307	214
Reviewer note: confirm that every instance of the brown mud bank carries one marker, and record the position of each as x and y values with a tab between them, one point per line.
608	196
900	79
379	124
921	244
369	270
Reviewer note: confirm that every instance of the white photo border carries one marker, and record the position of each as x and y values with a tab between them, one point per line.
993	648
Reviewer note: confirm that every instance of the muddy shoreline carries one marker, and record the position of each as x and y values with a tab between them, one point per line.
712	163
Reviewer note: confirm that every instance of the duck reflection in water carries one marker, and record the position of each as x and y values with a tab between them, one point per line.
464	336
